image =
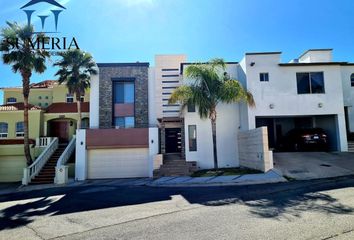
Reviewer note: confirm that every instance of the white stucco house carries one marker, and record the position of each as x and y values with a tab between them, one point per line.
134	132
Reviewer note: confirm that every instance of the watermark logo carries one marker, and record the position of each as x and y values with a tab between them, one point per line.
28	9
51	41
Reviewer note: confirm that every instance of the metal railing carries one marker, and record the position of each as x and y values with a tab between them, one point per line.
31	171
67	152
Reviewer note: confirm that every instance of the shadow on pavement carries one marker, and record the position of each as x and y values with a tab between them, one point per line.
268	201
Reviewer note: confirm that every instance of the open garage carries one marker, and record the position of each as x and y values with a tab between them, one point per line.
278	127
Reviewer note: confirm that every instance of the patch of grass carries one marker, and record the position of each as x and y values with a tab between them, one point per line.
224	172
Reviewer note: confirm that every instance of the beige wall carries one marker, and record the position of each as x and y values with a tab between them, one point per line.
254	151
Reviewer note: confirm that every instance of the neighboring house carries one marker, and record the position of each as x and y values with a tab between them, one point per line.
53	113
135	132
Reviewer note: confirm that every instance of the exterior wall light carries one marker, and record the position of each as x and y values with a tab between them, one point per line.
320	105
271	106
252	64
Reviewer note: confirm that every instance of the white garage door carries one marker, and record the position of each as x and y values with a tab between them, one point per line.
118	163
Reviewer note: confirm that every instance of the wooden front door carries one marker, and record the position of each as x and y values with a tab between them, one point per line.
60	130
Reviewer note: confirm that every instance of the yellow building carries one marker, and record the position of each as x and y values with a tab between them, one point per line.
53	113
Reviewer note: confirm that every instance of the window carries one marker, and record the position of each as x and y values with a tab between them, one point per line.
191	107
85	123
312	82
3	130
124	122
40	97
82	98
124	92
352	80
39	104
11	100
69	98
264	77
192	136
20	129
170	69
46	104
46	97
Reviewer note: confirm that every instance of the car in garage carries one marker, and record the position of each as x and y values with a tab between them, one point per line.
305	139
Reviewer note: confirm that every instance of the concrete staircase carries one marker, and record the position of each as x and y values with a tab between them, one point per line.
351	146
174	166
47	174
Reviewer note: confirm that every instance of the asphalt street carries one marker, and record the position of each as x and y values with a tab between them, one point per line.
317	209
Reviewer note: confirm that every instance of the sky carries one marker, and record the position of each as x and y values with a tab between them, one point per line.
137	30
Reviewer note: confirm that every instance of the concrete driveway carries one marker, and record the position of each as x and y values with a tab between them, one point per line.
314	165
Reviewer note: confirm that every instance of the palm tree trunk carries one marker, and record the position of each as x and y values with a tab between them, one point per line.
213	129
26	90
78	102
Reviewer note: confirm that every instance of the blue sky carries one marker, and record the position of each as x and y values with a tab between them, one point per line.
136	30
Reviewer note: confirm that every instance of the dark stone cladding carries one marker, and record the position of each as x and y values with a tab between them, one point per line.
112	71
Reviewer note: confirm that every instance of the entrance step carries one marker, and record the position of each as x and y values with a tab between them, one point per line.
47	173
351	146
175	168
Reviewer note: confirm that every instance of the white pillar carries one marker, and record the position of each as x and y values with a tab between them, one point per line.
94	101
61	175
153	148
81	156
342	140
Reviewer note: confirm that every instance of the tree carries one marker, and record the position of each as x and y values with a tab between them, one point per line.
75	70
18	51
209	86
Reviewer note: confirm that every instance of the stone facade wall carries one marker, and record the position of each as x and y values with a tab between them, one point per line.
253	149
138	72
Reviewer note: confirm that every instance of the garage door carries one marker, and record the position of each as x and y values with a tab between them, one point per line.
11	168
118	163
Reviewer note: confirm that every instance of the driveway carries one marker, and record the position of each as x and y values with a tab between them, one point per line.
314	165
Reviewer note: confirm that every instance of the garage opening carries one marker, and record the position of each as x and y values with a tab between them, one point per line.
279	127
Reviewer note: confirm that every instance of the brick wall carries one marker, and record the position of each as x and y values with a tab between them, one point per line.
139	72
254	151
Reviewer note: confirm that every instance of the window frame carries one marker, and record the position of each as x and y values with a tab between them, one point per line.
191	108
192	147
310	83
125	122
352	80
264	77
69	96
4	135
11	102
18	133
123	82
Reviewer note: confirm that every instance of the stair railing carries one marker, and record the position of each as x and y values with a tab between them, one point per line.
30	172
61	171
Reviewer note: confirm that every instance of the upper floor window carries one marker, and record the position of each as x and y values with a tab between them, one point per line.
124	92
310	82
11	100
3	130
191	107
352	80
40	97
20	129
69	98
264	77
124	122
82	98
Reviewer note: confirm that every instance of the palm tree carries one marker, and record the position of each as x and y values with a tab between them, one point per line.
24	59
75	71
210	85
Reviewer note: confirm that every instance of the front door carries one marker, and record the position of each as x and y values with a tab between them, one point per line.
60	130
173	140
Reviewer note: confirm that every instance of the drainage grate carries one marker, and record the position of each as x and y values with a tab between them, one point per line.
325	165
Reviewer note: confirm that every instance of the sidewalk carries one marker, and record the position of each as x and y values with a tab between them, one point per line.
271	176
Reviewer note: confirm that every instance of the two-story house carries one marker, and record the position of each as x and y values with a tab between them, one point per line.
52	113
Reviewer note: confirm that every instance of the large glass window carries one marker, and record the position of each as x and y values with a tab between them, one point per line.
352	80
192	136
310	82
3	130
20	129
124	122
124	92
191	107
